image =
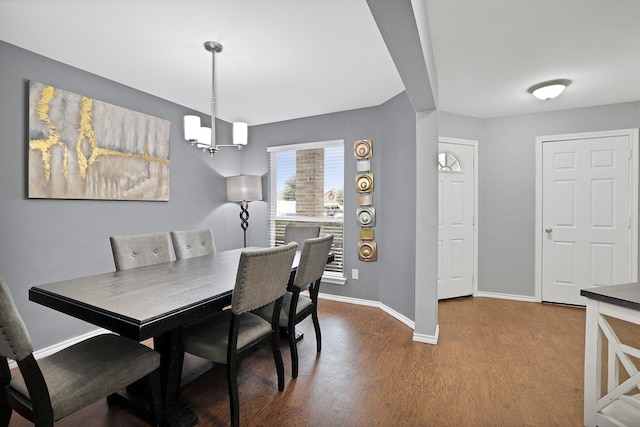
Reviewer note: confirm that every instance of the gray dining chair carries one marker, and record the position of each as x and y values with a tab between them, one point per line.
50	388
261	279
300	233
192	243
139	250
296	306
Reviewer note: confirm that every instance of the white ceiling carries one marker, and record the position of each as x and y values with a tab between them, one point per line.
489	52
285	59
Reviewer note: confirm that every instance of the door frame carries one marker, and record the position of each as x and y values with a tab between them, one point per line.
474	145
632	134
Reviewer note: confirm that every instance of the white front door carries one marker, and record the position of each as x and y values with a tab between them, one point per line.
456	211
588	231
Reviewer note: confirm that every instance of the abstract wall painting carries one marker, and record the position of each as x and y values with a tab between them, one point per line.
83	148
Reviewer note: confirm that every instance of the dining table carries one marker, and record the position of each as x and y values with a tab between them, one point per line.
153	302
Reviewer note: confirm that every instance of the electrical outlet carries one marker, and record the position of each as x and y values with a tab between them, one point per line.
354	274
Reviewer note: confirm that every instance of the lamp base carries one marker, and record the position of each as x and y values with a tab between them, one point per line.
244	219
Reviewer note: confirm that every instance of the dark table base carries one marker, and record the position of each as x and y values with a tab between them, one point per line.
178	414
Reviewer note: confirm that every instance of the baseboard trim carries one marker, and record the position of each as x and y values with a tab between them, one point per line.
399	316
505	296
349	300
428	339
370	303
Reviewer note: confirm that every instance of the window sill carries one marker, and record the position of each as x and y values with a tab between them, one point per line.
336	280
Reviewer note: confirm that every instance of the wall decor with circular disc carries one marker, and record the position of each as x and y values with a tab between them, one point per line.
362	149
367	251
366	217
364	183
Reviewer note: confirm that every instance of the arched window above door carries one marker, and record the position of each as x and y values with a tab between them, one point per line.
449	162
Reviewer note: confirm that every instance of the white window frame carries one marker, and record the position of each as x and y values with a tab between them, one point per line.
329	277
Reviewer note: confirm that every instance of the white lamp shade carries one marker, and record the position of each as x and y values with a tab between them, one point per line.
204	136
244	188
191	127
548	92
240	133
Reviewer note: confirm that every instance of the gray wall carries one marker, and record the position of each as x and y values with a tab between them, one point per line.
457	126
49	240
396	206
392	129
426	225
349	126
507	184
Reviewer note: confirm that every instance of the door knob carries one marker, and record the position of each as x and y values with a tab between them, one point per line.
548	230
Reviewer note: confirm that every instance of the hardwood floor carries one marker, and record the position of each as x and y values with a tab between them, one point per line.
497	363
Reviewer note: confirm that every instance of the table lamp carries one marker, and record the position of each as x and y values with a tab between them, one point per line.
244	189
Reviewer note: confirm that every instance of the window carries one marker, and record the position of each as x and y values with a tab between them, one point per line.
306	187
449	162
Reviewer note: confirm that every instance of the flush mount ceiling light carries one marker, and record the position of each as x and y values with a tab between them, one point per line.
204	137
549	90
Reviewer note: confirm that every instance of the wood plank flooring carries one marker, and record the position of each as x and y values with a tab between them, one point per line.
497	363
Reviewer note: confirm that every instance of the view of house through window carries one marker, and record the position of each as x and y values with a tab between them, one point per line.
306	187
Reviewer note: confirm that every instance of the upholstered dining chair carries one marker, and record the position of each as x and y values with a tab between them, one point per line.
55	386
261	279
300	233
192	243
296	306
139	250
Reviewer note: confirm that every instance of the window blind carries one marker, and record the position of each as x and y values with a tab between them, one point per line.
306	187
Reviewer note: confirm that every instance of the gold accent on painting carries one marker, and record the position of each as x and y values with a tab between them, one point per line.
66	121
86	133
45	145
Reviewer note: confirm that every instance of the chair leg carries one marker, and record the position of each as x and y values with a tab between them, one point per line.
316	326
277	357
5	412
232	384
42	412
155	395
5	407
291	334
